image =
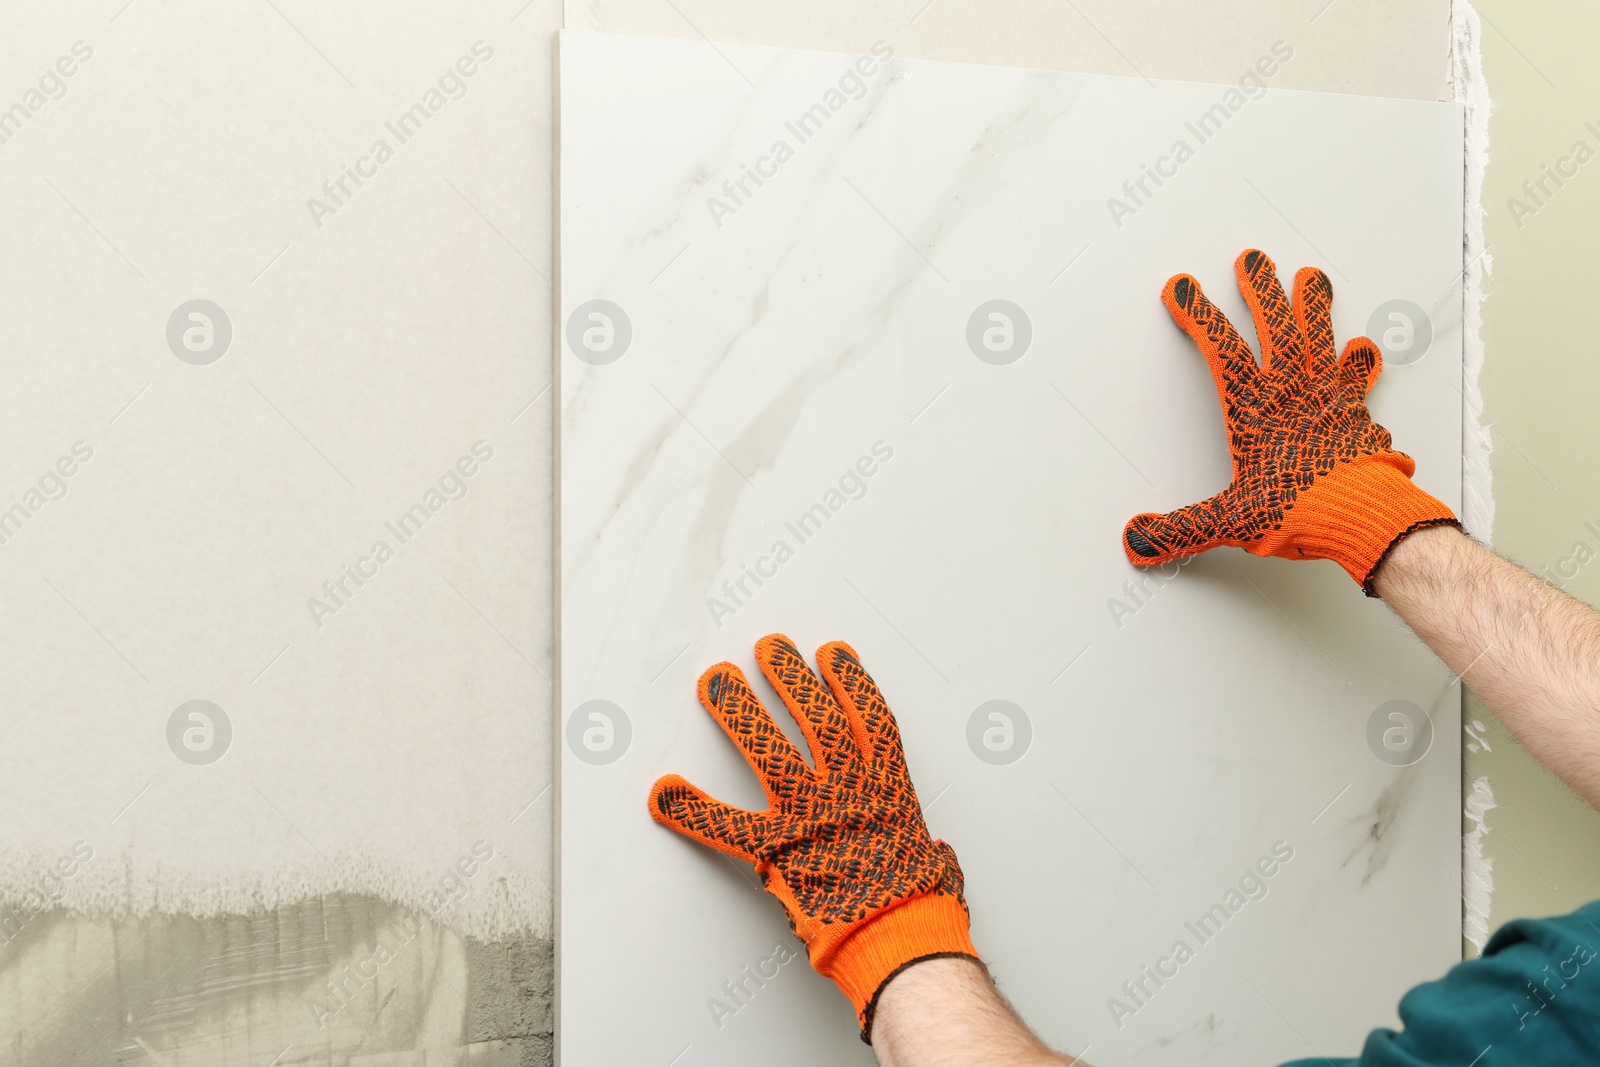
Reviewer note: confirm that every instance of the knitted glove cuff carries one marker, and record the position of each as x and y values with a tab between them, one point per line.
862	957
1358	511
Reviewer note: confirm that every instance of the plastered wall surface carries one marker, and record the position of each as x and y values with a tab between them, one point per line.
275	285
1539	384
1350	46
274	461
176	991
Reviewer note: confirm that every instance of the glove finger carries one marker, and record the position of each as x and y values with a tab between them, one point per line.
679	805
1313	310
1361	364
727	695
952	881
827	730
1283	349
1151	538
1233	365
858	694
1378	439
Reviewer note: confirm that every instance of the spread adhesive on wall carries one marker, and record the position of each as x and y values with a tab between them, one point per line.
1470	88
1477	870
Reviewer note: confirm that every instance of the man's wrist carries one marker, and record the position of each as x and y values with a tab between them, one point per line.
1424	555
932	980
948	1012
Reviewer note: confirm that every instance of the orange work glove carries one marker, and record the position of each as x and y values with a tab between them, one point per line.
844	846
1313	475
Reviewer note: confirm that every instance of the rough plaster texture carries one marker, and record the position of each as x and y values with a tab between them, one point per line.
511	992
336	981
1469	86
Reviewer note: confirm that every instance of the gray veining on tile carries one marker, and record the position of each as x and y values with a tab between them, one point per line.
799	437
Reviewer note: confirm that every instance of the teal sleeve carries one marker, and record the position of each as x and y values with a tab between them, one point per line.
1531	1000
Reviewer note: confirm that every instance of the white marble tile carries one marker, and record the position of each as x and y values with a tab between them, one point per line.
824	319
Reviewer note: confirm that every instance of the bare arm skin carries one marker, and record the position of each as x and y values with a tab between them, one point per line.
947	1013
1530	651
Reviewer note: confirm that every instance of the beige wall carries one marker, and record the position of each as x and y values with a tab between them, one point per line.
1540	385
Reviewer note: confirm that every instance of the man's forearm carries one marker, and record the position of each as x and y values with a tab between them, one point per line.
1528	650
947	1013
